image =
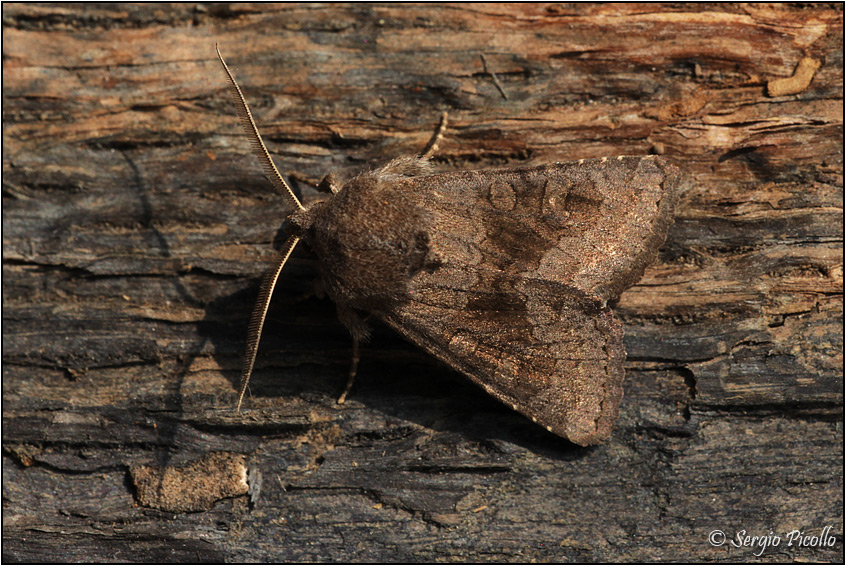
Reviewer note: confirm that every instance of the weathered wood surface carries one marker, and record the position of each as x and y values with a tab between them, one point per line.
136	225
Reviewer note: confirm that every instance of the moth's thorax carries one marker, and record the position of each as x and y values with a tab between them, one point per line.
371	238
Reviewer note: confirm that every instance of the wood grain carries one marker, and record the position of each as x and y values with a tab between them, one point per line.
136	225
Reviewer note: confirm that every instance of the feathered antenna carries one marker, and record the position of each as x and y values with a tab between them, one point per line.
260	314
259	148
272	276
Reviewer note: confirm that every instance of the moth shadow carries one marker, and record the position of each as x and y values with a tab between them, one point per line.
302	345
305	354
399	380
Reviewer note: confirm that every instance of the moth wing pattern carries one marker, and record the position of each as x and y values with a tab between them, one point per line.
547	350
594	224
527	260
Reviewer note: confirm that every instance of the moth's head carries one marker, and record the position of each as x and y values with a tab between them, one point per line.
301	221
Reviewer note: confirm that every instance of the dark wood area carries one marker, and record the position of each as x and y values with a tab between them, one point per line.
136	225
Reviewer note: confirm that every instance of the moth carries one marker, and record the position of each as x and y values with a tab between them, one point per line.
504	274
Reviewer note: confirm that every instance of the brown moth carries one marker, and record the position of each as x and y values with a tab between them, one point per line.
504	274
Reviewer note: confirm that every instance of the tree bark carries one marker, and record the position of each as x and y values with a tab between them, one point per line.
136	225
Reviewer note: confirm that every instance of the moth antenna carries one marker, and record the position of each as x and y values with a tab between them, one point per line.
260	314
432	146
259	149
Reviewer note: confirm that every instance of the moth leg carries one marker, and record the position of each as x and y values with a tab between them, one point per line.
353	370
329	184
359	331
432	146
